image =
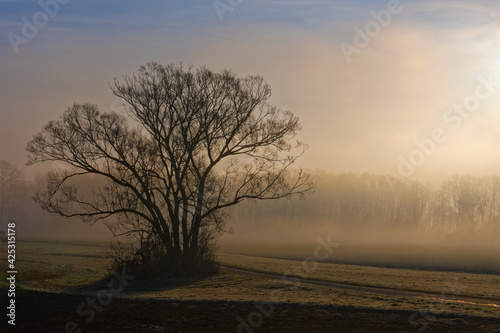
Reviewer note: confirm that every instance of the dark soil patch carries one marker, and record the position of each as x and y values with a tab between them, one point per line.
51	312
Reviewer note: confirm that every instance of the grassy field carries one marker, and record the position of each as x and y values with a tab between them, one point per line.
235	287
70	267
57	266
479	285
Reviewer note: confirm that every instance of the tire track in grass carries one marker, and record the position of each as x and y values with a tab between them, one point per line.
376	290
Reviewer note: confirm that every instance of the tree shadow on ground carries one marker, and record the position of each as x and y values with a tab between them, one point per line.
125	284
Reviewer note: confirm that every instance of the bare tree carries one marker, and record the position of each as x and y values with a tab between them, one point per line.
204	141
11	186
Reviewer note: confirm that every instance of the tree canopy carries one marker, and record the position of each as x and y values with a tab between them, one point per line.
202	142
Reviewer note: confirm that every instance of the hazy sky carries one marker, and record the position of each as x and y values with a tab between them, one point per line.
412	77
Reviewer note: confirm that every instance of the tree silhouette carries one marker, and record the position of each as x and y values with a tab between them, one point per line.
202	142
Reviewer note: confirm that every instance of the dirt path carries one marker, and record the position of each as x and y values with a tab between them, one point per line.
377	290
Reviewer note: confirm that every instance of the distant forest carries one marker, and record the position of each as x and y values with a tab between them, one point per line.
461	204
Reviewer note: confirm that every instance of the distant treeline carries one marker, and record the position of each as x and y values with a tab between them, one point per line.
464	204
461	204
16	204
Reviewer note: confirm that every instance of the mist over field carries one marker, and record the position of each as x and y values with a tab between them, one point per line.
375	220
386	247
379	221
